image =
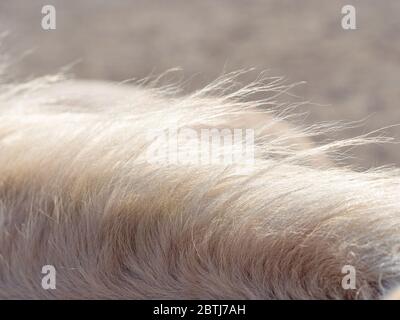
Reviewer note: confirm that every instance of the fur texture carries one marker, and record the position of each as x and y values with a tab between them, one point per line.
77	192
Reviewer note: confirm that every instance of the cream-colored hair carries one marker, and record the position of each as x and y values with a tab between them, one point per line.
76	192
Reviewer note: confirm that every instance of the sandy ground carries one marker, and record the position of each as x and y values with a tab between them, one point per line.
353	74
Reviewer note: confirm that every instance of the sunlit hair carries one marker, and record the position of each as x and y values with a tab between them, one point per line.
77	192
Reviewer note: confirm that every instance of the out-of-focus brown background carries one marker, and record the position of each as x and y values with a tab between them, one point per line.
355	74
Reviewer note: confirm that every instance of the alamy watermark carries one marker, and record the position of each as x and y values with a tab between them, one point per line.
349	280
349	18
201	146
49	279
49	18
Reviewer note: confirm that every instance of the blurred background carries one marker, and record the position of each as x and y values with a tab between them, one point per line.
351	74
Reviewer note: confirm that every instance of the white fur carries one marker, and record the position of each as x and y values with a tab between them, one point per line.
77	193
